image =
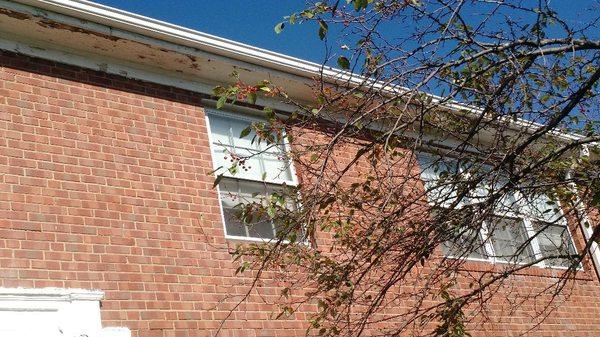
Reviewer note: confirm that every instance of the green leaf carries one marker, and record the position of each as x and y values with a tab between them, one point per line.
269	113
252	97
343	63
246	131
271	211
308	14
322	29
278	198
279	27
217	180
360	4
221	102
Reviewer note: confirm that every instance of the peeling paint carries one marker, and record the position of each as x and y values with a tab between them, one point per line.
13	14
57	25
46	23
242	68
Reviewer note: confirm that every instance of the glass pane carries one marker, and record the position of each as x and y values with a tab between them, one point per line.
543	208
227	143
554	240
262	229
220	130
276	167
469	240
434	173
509	240
233	225
249	166
235	193
507	205
251	191
222	158
237	125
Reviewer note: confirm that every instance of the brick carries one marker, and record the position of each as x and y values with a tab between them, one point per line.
103	183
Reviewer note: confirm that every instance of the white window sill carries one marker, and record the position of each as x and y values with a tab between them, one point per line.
497	261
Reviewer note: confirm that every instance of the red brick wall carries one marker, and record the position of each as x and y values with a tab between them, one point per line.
104	184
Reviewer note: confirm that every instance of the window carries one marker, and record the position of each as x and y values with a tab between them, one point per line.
468	238
252	170
510	241
553	235
436	174
521	230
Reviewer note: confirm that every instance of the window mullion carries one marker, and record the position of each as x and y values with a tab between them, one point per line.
528	223
239	191
487	244
535	244
263	169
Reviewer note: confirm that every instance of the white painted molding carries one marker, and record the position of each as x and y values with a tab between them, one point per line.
115	332
53	312
50	294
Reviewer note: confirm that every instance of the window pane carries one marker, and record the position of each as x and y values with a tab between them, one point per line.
261	229
554	240
468	240
543	208
509	240
507	205
271	164
234	193
276	168
435	172
249	165
233	225
220	131
246	142
222	157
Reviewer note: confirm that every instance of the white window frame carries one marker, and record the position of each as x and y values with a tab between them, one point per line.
562	221
527	221
277	182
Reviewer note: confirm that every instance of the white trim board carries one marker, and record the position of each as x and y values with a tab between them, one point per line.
55	312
